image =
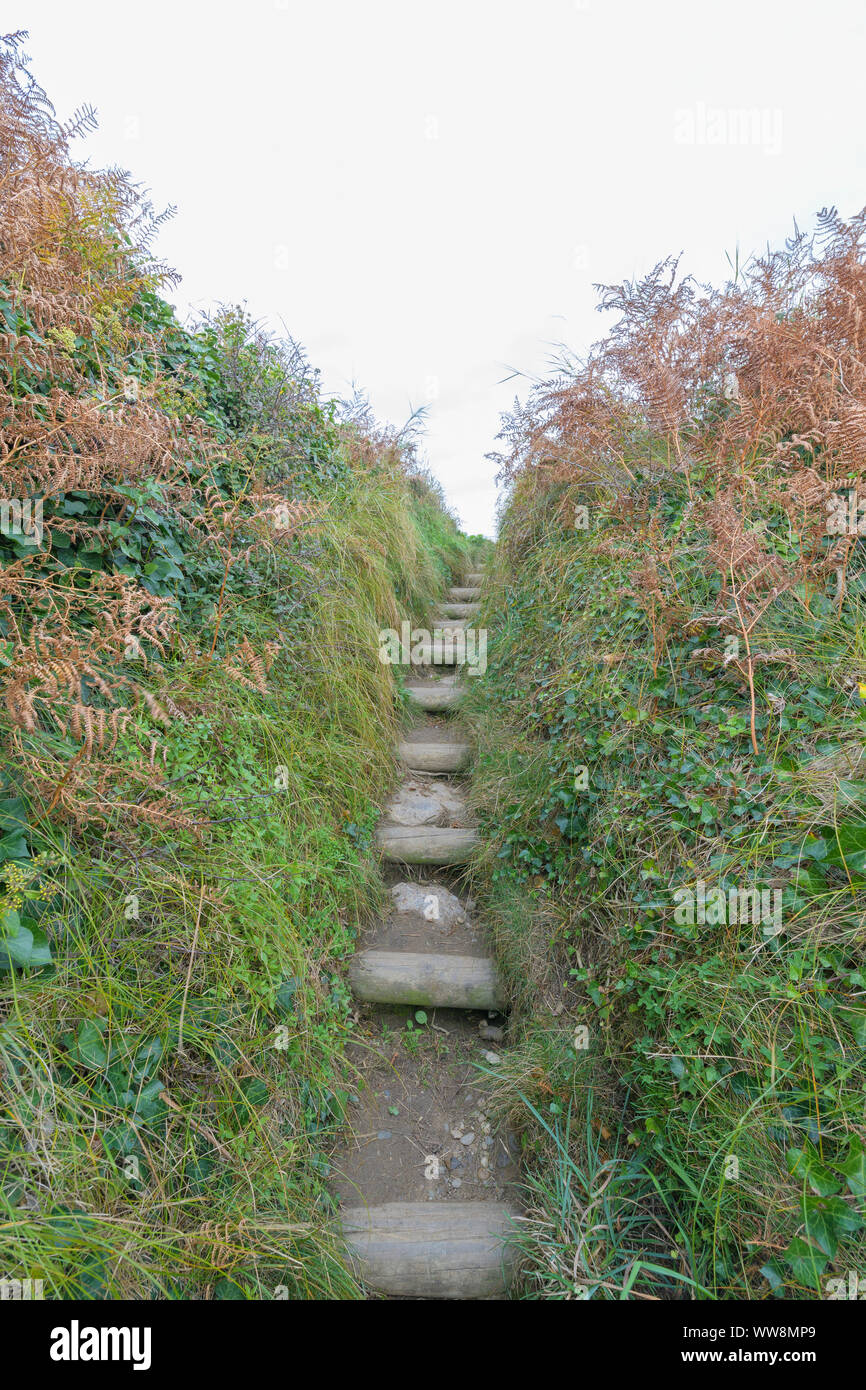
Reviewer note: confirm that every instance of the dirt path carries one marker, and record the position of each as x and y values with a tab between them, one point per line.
426	1181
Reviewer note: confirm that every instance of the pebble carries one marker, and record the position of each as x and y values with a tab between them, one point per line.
456	1182
492	1058
384	1134
468	1138
492	1034
457	1132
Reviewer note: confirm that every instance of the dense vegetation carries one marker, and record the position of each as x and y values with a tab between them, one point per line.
197	552
196	732
674	705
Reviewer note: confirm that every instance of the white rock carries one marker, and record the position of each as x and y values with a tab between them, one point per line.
447	912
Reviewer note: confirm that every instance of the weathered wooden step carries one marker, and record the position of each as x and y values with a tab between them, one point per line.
434	757
459	610
467	595
430	844
432	1249
437	981
435	697
453	627
447	650
423	802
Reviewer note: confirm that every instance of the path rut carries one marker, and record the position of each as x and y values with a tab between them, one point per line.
426	1180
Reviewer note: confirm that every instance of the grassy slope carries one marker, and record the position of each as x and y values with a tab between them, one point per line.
225	990
704	1043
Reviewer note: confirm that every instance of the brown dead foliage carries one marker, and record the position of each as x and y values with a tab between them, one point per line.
74	259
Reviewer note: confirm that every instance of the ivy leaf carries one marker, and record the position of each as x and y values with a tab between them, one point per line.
90	1047
827	1220
854	1168
147	1105
772	1276
857	1024
21	944
13	815
805	1163
847	847
807	1262
13	846
253	1089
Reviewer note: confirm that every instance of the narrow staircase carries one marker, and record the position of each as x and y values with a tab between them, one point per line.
426	1184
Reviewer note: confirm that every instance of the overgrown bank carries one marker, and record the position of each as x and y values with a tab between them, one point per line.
198	552
672	723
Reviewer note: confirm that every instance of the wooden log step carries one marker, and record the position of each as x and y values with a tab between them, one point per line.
459	610
435	697
432	1250
434	757
436	981
430	844
451	626
447	650
468	595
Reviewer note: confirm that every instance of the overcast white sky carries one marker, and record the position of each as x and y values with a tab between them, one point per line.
425	192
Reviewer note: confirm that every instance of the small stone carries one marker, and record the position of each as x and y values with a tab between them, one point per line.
488	1142
456	1182
503	1159
384	1134
427	899
492	1058
468	1138
457	1132
490	1033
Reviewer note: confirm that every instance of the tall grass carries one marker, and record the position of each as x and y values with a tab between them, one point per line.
171	1086
722	1076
